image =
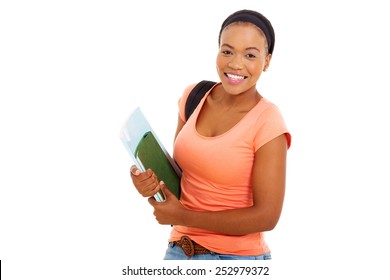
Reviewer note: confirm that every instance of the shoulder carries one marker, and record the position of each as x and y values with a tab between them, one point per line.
269	123
265	111
183	99
186	92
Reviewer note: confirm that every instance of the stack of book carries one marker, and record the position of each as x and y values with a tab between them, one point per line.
147	151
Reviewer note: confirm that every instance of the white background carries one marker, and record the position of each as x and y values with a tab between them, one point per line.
72	71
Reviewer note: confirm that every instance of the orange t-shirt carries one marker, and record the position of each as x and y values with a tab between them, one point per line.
217	172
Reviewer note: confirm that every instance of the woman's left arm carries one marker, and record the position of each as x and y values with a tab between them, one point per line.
268	180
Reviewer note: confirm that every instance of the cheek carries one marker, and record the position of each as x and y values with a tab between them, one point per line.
255	69
221	62
221	65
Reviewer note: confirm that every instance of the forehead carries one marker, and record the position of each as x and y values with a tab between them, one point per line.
243	31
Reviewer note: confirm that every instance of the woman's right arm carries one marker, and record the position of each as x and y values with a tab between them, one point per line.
147	182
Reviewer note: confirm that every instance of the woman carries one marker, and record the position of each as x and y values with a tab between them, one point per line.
232	151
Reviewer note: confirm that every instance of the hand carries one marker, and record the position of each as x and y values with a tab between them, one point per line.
170	211
145	182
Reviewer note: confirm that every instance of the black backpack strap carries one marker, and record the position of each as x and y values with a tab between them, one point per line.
196	95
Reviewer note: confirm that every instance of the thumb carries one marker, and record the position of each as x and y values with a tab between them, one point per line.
134	170
165	189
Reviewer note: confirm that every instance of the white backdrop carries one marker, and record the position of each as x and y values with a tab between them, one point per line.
72	71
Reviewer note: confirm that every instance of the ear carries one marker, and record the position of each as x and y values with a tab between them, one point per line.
267	62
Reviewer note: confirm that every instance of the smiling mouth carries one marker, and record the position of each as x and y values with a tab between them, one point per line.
235	77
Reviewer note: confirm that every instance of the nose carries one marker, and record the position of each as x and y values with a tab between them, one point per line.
236	63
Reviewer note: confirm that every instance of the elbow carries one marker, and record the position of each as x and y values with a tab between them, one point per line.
259	226
268	224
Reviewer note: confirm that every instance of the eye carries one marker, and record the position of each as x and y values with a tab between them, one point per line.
250	56
226	52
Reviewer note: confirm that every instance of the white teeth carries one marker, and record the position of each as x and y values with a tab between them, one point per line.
235	77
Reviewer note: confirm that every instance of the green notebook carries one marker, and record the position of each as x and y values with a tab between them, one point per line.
147	151
150	155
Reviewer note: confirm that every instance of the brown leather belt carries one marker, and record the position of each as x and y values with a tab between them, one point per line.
190	247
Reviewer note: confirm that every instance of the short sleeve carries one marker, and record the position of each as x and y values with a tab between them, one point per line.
270	125
182	101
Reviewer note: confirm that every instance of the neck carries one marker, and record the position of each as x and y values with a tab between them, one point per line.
243	101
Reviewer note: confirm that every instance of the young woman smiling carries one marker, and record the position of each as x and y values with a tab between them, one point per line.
232	151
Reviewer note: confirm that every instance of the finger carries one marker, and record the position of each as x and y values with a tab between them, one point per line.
152	201
148	187
156	189
149	178
152	190
150	173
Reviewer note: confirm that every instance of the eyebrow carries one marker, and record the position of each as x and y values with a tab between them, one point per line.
230	46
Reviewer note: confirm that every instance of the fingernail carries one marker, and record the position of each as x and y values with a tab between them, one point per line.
162	183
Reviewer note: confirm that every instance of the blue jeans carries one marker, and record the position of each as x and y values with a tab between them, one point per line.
174	252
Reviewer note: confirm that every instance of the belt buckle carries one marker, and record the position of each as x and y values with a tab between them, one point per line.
187	246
